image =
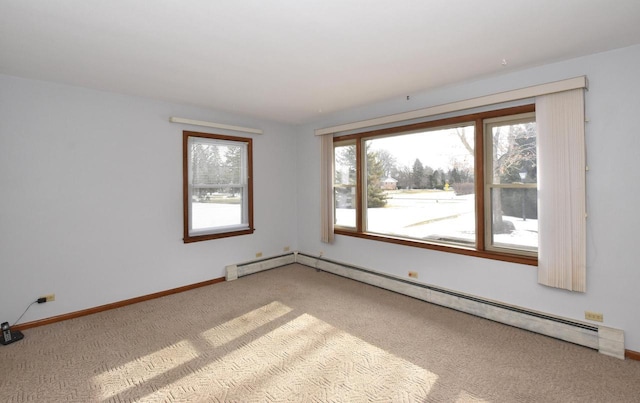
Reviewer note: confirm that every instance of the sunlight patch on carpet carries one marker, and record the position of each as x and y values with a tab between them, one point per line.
466	397
144	369
244	324
123	377
302	359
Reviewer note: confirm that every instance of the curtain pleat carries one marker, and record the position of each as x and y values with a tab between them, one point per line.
561	190
326	191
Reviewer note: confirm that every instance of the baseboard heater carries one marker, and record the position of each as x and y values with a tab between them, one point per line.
235	271
606	340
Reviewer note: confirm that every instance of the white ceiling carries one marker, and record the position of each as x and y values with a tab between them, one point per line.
295	60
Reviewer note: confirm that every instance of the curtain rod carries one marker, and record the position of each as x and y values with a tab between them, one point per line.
174	119
513	95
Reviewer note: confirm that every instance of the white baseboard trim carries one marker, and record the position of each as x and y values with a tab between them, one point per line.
606	340
235	271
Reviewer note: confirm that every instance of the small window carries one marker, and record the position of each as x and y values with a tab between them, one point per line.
217	194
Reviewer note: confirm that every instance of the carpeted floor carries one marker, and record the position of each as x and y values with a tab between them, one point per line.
296	334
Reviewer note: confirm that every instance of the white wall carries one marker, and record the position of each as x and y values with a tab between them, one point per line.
91	203
613	195
91	198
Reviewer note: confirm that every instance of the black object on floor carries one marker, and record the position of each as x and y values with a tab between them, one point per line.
9	336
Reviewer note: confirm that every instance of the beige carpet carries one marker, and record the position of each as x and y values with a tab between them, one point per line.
295	334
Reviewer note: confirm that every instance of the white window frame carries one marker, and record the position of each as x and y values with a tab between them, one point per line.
490	186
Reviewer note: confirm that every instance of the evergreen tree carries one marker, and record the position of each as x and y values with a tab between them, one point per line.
454	176
346	157
205	167
376	197
214	164
436	180
232	165
417	174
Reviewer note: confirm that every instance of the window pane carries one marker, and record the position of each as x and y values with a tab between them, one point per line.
345	185
513	210
514	152
217	186
515	218
421	185
216	197
214	207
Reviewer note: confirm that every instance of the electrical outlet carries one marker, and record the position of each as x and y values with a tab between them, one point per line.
594	316
285	249
258	254
50	297
413	274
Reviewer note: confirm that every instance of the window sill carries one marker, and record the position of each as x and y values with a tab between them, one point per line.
207	237
460	250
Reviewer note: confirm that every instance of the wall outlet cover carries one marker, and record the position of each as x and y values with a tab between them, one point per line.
594	316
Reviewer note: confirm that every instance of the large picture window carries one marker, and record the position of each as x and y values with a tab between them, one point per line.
420	185
464	184
217	186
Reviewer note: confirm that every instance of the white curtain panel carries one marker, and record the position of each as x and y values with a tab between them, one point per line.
326	191
561	190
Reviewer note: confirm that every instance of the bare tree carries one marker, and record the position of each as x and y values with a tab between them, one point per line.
462	135
514	151
387	161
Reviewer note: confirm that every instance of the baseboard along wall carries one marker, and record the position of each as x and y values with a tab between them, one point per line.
606	340
114	305
244	269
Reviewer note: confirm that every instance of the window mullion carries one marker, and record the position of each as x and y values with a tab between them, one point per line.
479	184
361	172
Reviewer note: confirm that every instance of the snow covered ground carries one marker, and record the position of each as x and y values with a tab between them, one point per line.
210	215
437	215
429	215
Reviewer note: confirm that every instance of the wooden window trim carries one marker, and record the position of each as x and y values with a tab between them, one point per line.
185	187
479	159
